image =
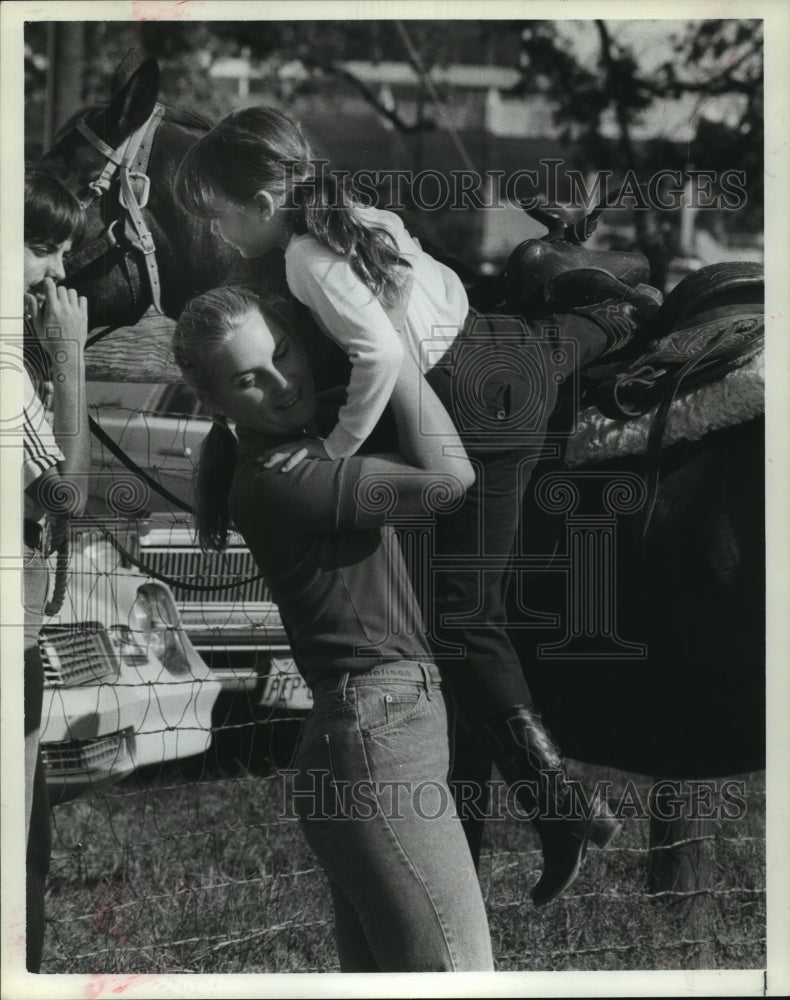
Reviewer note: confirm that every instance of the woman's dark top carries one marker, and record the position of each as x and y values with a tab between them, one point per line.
320	536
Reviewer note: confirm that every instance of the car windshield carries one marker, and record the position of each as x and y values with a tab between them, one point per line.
176	400
179	399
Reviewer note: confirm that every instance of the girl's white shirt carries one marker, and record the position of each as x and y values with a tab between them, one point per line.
346	309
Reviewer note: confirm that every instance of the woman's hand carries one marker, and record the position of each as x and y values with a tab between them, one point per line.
61	320
293	454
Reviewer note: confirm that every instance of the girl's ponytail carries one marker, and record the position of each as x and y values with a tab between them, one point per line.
260	148
326	211
213	477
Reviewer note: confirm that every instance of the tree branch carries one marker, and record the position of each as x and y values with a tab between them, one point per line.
723	82
616	91
371	98
368	94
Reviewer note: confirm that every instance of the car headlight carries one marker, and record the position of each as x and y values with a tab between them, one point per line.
92	551
153	620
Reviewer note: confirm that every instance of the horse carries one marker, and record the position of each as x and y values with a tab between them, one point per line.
680	690
111	265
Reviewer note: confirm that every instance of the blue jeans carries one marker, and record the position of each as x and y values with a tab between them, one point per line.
370	790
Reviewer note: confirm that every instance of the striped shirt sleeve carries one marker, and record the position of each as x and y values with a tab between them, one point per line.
41	451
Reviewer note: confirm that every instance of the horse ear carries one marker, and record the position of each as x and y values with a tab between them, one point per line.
130	62
133	103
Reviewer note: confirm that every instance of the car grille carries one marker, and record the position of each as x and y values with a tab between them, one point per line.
70	756
76	654
216	569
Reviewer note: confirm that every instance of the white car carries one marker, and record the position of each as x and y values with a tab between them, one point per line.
124	686
160	428
236	627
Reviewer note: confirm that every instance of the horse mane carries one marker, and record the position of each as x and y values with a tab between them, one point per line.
176	115
187	119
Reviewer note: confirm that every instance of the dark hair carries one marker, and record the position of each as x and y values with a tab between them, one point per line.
260	148
52	213
203	326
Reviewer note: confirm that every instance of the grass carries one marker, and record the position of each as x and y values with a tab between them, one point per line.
167	873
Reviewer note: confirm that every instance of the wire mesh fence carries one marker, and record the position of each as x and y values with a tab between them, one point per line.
189	870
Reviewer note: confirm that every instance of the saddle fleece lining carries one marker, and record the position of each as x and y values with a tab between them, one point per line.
734	399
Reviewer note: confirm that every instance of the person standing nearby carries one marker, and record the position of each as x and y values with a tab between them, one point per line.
55	464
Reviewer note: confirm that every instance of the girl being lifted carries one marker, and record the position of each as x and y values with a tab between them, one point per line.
355	267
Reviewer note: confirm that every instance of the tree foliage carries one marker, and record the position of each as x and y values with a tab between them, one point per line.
723	57
713	59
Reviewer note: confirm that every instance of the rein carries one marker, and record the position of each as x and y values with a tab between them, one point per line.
98	432
196	588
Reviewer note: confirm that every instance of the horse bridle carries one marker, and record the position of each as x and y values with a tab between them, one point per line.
130	160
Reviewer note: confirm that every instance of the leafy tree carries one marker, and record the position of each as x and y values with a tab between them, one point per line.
713	57
724	57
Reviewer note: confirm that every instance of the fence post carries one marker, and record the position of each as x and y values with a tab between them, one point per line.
681	855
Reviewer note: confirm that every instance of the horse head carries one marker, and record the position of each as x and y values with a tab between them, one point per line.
136	235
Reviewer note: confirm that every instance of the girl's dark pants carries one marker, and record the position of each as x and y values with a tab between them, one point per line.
500	383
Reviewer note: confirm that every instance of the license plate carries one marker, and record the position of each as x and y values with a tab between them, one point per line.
286	688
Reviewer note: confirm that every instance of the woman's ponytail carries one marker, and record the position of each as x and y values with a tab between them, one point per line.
214	474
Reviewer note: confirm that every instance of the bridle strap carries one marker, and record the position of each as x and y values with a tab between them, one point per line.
130	159
114	155
98	247
114	158
137	231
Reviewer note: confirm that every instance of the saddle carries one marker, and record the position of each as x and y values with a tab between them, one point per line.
710	324
696	368
704	343
736	398
538	263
